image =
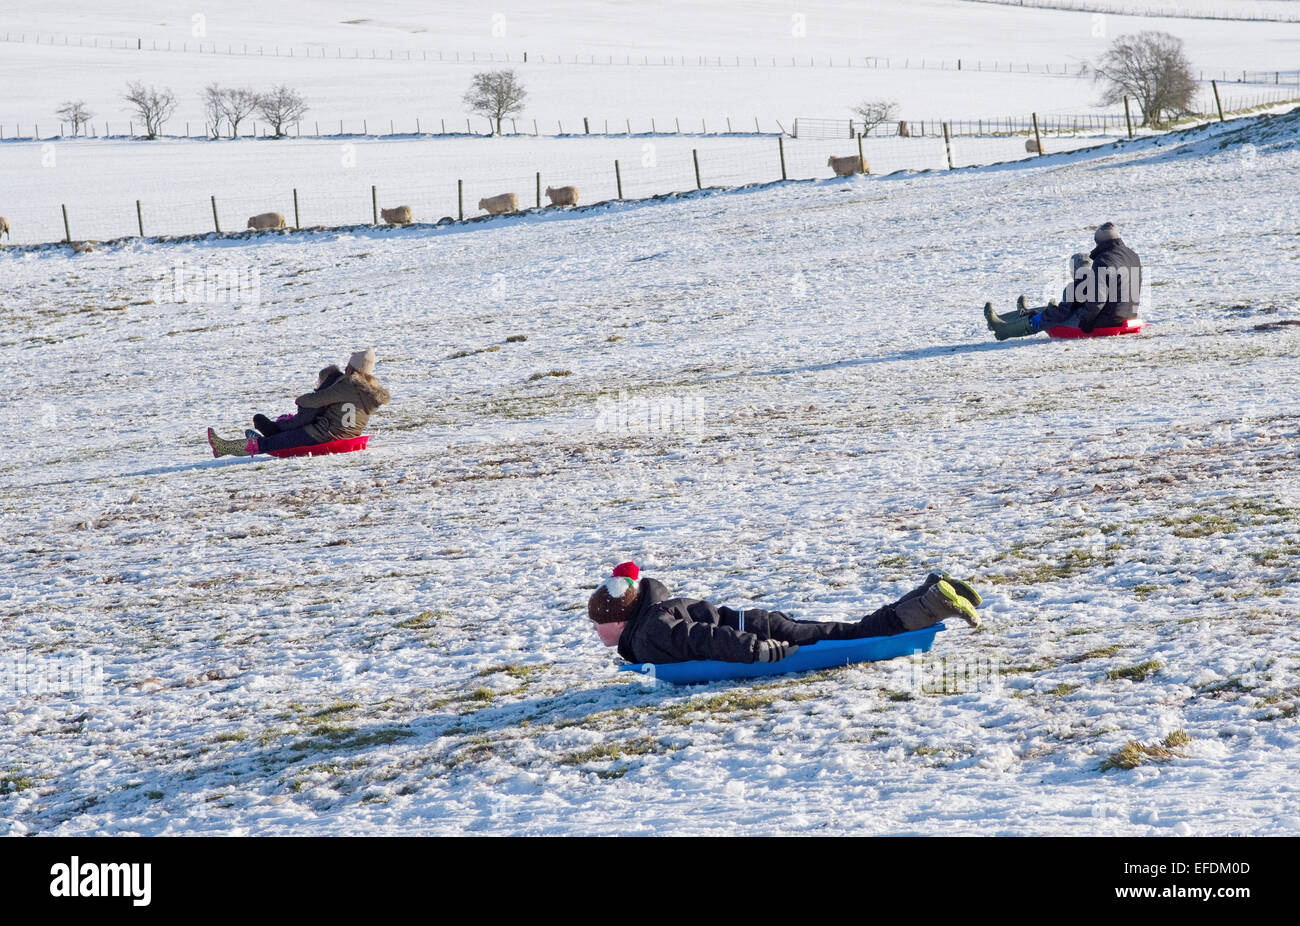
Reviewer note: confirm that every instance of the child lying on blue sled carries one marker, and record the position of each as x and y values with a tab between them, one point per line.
647	624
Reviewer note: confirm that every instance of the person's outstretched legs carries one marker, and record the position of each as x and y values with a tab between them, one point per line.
265	425
1014	326
285	440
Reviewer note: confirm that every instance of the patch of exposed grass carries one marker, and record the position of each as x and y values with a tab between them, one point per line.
1068	564
14	782
470	353
728	702
1132	754
601	752
516	338
333	710
536	376
422	621
333	736
524	673
1138	673
1099	653
1063	689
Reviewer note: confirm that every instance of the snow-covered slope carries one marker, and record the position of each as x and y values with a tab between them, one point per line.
780	397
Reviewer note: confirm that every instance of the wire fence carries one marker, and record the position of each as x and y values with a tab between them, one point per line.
173	198
1057	124
199	46
1170	11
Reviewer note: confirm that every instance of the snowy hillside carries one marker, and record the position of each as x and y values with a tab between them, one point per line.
779	397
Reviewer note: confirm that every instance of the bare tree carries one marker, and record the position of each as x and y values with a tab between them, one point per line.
213	109
152	104
1152	68
75	112
496	94
238	105
281	107
875	113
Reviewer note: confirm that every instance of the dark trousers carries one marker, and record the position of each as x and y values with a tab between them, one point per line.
773	625
284	440
882	622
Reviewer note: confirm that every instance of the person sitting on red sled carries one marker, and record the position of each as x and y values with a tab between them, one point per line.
1104	292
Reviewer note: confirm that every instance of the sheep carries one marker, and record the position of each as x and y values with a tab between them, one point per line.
1031	146
4	228
563	196
399	216
499	205
845	167
266	220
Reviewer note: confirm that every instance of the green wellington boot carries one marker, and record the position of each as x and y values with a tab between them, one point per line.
938	602
1017	326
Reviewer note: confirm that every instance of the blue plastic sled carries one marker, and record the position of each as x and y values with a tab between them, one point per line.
823	655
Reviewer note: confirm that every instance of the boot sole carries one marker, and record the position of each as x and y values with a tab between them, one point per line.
961	604
963	589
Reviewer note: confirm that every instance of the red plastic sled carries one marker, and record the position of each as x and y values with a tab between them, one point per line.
347	445
1130	326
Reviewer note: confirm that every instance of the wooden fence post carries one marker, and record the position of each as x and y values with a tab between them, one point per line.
1037	140
586	129
947	144
618	179
862	162
780	144
297	224
460	199
67	232
1217	101
539	189
139	217
374	204
696	156
216	223
1128	117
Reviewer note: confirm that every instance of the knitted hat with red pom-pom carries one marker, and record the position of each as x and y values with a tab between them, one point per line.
615	599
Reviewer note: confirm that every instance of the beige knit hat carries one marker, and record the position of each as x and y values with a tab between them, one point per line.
363	360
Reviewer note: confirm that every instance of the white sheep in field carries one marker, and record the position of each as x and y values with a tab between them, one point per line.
845	167
563	196
266	220
398	216
499	205
1031	146
4	228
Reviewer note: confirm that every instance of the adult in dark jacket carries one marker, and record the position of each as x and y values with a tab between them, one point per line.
339	411
1104	293
649	624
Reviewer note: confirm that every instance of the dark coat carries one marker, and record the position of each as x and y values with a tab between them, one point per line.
667	629
306	416
1116	287
344	407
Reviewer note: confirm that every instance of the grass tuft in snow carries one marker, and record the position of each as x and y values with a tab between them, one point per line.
1132	754
1138	673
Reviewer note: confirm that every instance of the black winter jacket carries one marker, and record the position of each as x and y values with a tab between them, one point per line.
669	629
1116	287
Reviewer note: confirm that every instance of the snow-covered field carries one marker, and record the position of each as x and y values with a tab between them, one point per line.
779	397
